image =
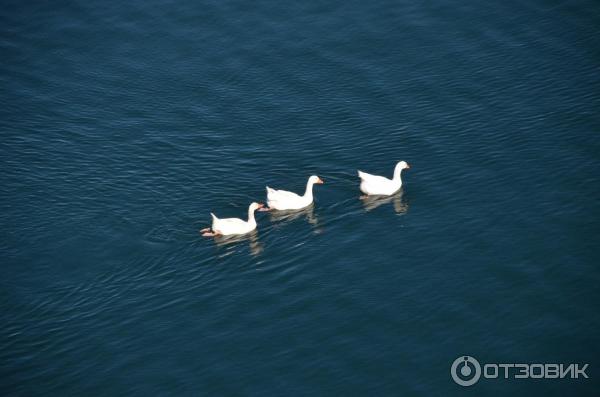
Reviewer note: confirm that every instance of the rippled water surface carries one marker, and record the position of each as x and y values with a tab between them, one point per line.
124	125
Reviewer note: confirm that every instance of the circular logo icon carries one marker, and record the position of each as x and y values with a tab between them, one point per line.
465	371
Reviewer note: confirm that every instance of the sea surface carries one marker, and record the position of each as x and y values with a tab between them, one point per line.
124	124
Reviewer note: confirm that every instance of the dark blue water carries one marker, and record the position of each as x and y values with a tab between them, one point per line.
124	125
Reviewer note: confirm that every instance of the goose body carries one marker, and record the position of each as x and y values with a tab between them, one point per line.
284	200
232	226
380	185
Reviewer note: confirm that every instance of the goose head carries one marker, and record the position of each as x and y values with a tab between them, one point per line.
315	179
402	165
254	206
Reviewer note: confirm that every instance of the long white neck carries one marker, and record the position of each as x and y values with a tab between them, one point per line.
251	219
397	172
308	191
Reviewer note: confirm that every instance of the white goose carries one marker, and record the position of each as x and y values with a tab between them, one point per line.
231	226
379	185
284	200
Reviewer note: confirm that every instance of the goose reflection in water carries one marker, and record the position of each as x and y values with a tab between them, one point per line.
372	202
230	242
291	215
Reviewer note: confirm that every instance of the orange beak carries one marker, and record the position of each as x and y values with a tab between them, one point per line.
320	181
